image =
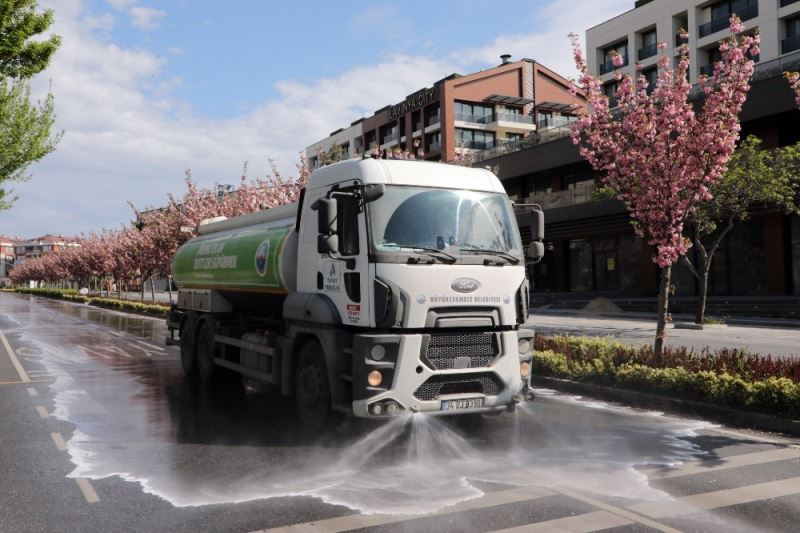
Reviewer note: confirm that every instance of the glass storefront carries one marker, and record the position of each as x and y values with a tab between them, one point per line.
604	265
795	229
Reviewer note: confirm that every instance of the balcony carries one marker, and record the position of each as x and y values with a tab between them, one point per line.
513	117
435	146
432	120
390	139
721	23
785	3
609	66
647	51
790	44
474	119
534	139
554	122
680	41
475	145
576	194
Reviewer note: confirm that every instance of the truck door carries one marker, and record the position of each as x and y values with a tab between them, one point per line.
343	277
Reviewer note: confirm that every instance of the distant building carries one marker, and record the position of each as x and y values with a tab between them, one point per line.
6	257
478	115
30	248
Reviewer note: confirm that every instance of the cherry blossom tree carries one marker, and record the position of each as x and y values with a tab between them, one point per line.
794	82
658	151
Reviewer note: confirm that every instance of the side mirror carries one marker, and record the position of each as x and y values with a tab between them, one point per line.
326	209
535	252
537	224
373	192
328	244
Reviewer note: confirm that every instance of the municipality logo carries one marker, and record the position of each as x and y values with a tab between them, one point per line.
262	258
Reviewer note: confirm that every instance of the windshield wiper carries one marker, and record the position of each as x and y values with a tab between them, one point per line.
432	252
505	255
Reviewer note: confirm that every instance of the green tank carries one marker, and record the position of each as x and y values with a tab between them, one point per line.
251	253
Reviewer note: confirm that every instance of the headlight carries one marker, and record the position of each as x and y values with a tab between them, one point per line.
524	346
524	369
377	352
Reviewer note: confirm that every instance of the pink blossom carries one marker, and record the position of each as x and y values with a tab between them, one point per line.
617	59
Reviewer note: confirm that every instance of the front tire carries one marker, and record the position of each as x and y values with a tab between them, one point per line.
312	390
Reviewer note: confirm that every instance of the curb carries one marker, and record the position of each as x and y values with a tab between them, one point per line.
724	415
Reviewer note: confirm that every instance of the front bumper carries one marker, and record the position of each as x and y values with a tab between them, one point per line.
414	384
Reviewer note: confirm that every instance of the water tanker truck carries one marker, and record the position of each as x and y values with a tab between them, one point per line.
390	287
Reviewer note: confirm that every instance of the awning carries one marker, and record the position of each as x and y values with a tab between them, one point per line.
507	100
555	106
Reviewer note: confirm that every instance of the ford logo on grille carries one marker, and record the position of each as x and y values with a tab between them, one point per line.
465	285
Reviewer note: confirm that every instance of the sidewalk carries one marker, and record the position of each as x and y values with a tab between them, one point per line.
780	338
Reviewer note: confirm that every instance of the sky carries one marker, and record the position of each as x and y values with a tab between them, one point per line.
147	90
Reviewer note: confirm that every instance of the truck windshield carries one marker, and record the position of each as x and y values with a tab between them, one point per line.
443	219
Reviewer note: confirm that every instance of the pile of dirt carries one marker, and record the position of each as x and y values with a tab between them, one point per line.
600	306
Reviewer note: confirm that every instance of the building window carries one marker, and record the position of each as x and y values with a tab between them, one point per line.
620	48
434	141
651	76
792	41
432	115
477	113
511	137
649	45
474	139
721	13
610	90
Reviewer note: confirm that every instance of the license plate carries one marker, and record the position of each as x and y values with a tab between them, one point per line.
461	404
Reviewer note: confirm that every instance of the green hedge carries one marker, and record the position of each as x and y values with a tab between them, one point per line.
110	303
775	395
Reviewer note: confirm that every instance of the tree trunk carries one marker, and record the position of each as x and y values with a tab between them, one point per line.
702	290
169	288
663	307
143	282
153	288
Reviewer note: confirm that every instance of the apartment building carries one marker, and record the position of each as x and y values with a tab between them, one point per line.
591	247
341	144
6	257
477	115
46	244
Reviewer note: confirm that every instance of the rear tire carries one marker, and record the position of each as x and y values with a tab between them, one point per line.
188	348
206	352
312	390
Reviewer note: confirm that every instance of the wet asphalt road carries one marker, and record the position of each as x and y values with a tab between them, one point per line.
99	432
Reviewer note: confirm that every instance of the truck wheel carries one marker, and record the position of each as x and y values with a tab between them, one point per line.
188	349
312	390
206	352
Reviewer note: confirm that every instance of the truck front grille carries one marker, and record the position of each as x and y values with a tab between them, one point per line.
478	383
443	349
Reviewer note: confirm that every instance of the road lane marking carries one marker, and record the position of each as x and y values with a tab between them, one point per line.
42	410
23	376
721	498
624	513
88	491
582	523
32	392
356	521
733	461
58	440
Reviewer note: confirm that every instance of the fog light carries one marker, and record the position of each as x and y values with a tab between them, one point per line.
391	409
378	352
374	378
524	345
524	369
377	408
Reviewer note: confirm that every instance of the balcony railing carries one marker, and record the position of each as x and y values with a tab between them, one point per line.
554	122
515	117
475	145
389	138
609	66
763	71
475	119
435	146
746	13
647	51
432	121
785	3
534	139
577	194
790	44
418	126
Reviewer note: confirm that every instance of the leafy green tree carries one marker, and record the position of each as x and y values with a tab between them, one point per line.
19	22
25	126
755	176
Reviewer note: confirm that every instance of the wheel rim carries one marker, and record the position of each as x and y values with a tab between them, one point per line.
311	387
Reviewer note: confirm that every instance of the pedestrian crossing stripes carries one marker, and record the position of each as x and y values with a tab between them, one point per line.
604	516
